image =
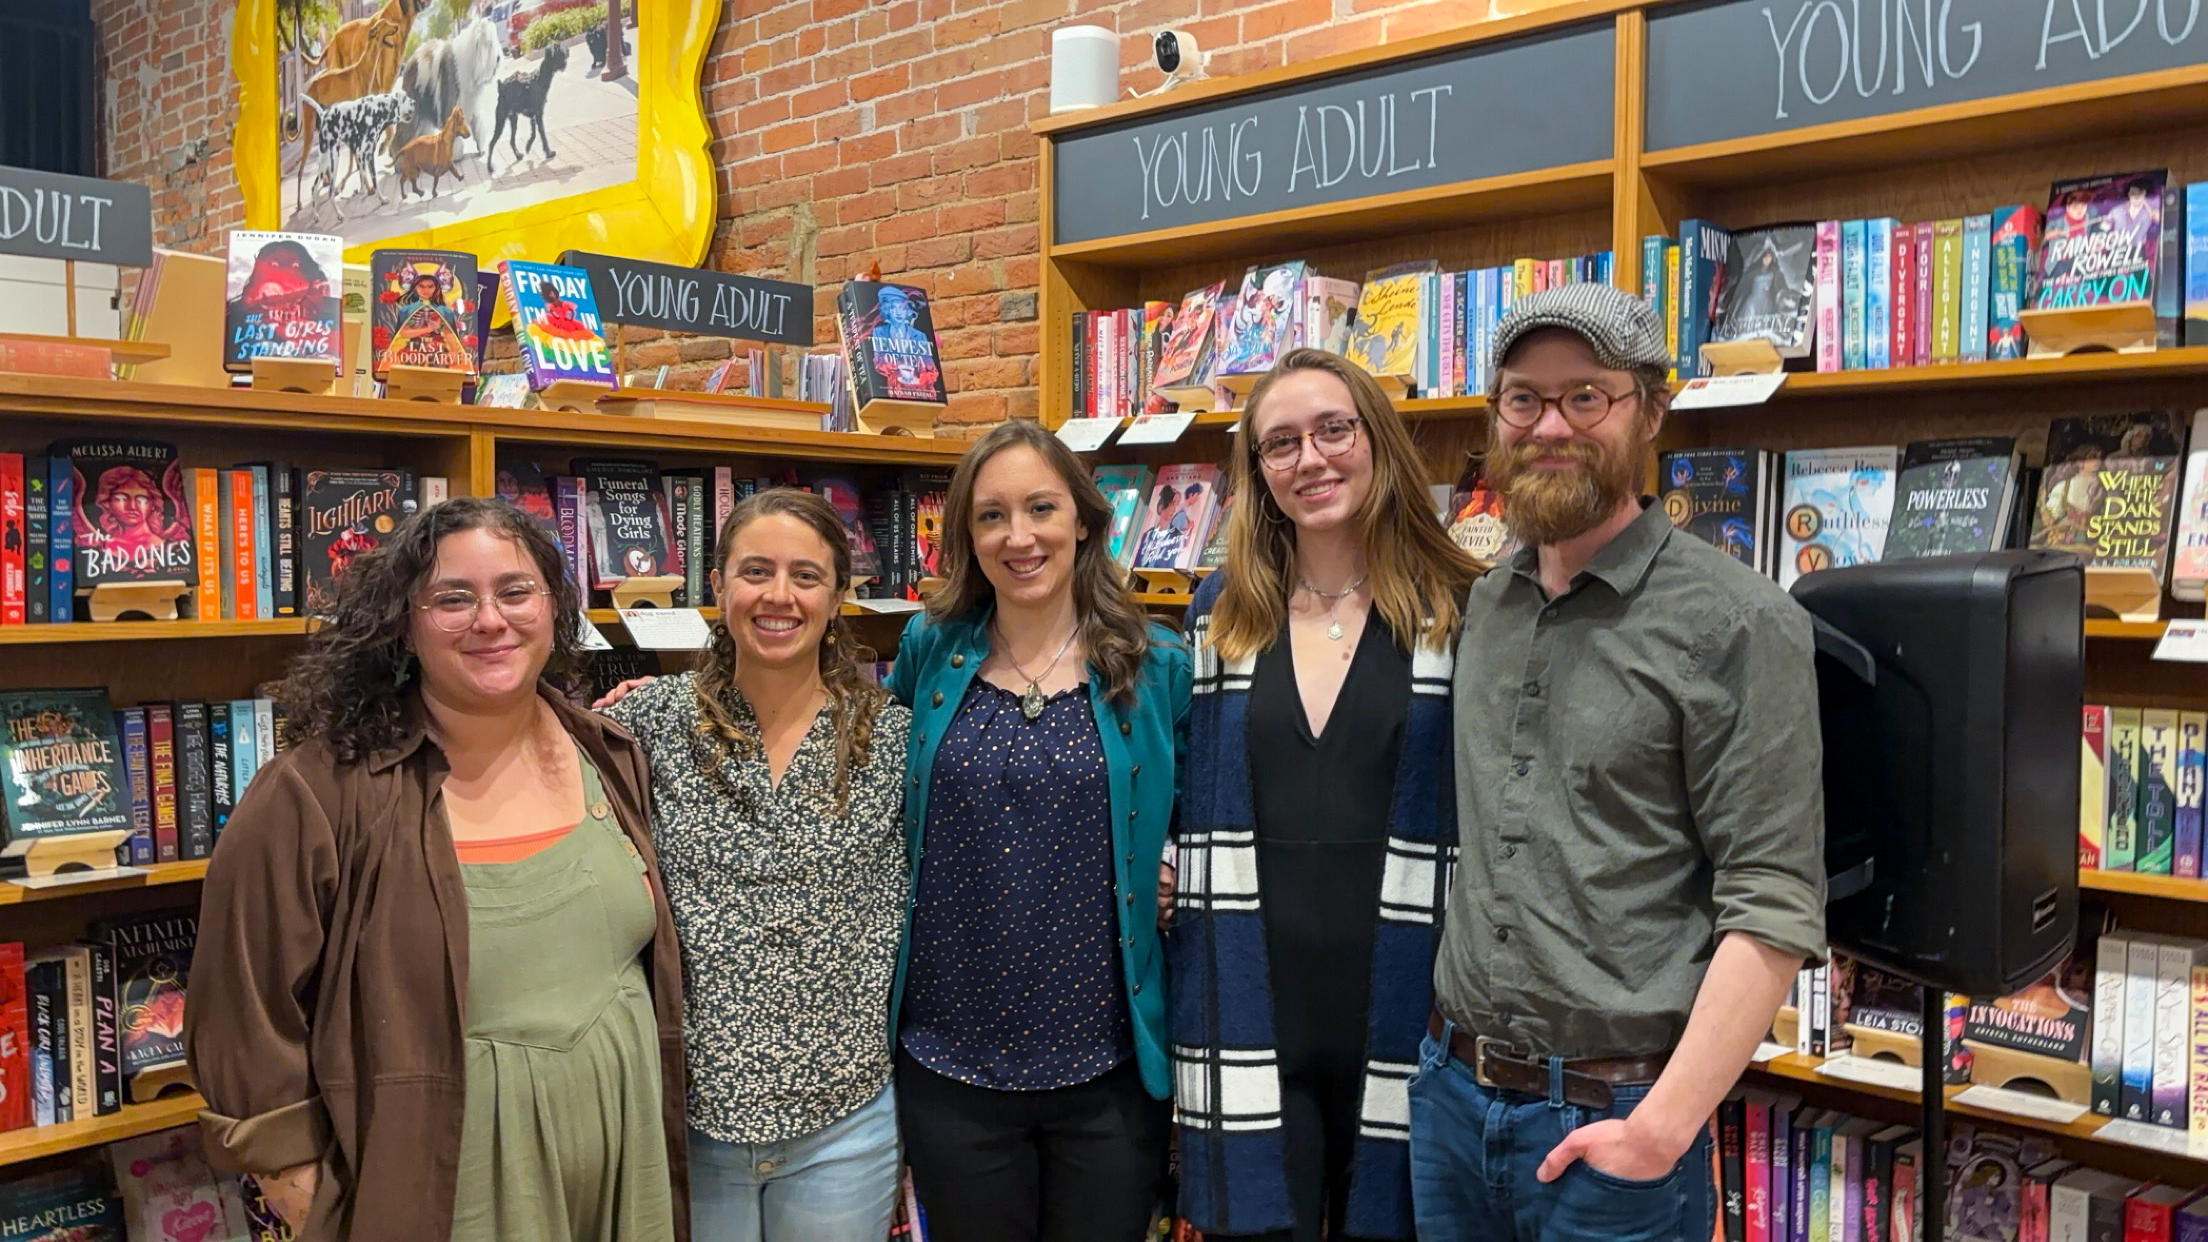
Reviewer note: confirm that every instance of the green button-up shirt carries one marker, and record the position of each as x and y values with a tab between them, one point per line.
1638	772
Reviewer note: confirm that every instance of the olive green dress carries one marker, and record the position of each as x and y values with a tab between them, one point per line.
563	1139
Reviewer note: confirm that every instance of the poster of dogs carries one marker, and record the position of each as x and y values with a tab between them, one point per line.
396	118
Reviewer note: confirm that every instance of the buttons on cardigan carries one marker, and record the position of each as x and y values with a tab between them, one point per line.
937	701
1138	988
957	661
1134	771
1131	816
598	810
1125	728
1510	851
1130	899
1520	768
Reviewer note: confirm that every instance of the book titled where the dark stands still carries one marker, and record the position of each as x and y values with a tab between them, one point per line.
61	768
343	513
888	336
624	509
133	519
153	961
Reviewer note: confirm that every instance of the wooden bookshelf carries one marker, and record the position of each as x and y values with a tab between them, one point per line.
2160	887
156	875
18	1146
66	632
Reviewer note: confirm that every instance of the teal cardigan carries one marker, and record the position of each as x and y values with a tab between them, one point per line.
1142	740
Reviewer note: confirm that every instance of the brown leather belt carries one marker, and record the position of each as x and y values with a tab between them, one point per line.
1587	1083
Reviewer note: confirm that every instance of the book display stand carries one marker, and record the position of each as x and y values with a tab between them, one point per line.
646	591
308	375
2125	594
84	851
2017	1070
1195	398
137	601
573	396
2125	328
1753	357
1178	583
1885	1046
438	384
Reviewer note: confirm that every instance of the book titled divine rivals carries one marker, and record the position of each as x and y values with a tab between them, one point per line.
61	767
133	521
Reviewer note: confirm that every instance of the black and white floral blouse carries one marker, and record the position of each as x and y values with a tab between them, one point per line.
789	914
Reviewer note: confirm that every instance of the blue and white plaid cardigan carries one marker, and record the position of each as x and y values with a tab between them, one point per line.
1226	1067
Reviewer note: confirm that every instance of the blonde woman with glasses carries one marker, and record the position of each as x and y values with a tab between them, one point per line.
1316	819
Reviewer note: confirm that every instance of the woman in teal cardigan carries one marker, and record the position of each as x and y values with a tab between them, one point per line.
1029	1009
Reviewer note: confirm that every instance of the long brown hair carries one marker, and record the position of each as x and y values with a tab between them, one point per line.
1419	577
349	687
1113	629
852	700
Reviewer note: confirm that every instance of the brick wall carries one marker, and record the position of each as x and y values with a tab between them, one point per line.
846	130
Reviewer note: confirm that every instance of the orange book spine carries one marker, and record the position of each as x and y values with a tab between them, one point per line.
207	534
242	546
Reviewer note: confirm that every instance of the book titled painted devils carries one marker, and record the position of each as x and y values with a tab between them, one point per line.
2110	490
62	771
424	307
1952	496
343	513
153	962
283	298
628	528
2102	241
1770	292
133	517
556	323
888	336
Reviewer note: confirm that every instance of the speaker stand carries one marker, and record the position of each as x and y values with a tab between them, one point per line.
1932	1177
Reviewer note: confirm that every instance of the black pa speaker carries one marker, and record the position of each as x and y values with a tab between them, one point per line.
1951	713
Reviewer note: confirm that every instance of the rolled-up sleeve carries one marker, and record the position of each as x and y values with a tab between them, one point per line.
262	925
1754	760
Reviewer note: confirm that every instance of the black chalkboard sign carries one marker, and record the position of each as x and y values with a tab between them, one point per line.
52	216
1724	69
696	300
1482	110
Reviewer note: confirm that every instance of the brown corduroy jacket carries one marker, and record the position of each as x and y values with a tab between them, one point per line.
326	1011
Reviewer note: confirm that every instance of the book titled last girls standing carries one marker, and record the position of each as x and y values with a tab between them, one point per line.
556	323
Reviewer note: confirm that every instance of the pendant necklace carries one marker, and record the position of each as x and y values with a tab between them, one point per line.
1334	600
1031	702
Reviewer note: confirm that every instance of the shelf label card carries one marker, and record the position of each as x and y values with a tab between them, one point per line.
1086	435
2184	640
1768	1051
1718	390
593	638
1157	428
667	629
1892	1075
2154	1138
2021	1104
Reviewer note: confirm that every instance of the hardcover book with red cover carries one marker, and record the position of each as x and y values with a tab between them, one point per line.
15	1042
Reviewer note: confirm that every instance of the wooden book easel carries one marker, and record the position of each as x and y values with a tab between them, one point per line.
117	351
1752	357
1193	398
2125	328
83	851
2125	594
572	396
308	375
1174	582
137	601
646	591
2036	1072
439	384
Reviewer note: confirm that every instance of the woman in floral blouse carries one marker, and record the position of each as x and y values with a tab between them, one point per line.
775	780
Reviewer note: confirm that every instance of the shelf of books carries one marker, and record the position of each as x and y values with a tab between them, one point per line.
107	882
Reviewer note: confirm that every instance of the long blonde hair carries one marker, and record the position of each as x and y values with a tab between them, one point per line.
852	700
1113	630
1418	576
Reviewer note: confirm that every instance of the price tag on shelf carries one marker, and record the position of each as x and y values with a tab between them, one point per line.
2184	640
1892	1075
593	638
1768	1050
63	879
2021	1104
667	629
1157	428
1720	390
1086	435
887	605
2154	1138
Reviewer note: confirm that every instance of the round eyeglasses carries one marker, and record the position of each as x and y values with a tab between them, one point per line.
1332	438
1582	405
522	603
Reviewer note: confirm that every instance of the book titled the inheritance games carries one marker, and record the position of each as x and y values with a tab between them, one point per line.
888	336
283	296
556	323
61	766
623	510
343	513
133	518
424	309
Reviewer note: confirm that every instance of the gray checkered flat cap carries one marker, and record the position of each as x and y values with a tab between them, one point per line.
1622	329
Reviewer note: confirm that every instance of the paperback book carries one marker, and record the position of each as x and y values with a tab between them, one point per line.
1258	329
1720	496
282	297
1189	344
2102	241
424	310
888	335
1769	291
153	962
556	323
2109	493
1836	509
1953	496
622	510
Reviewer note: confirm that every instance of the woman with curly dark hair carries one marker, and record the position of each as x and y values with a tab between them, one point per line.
437	992
777	783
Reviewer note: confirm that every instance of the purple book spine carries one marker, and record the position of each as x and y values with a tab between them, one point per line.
2192	1225
567	510
1797	1224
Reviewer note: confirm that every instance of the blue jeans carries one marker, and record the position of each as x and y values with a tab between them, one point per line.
1475	1149
837	1184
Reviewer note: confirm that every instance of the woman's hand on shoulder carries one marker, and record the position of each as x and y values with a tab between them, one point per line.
621	692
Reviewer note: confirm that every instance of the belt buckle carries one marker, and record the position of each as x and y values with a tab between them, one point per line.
1482	1047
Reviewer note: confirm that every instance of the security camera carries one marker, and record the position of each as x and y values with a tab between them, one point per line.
1177	57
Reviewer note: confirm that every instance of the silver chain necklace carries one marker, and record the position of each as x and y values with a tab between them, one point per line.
1334	600
1031	701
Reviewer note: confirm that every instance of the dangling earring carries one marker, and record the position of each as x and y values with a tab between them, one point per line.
829	638
406	668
